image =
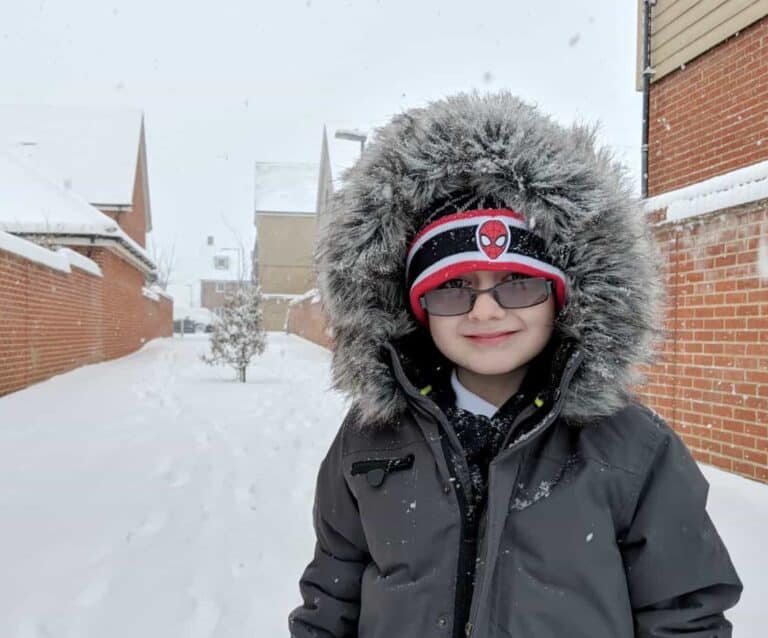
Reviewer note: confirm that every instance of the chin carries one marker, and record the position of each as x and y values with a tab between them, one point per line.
492	365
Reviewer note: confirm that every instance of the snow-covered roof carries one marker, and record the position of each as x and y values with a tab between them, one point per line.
737	187
286	187
92	150
30	203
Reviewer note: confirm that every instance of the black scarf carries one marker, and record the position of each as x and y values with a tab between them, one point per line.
481	437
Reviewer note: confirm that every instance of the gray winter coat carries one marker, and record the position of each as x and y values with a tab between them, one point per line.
595	523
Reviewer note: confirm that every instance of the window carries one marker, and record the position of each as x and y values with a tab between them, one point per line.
220	287
221	262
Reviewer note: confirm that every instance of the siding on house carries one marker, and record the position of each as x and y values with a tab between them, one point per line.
681	30
712	116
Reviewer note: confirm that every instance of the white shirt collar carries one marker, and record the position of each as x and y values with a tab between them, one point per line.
469	401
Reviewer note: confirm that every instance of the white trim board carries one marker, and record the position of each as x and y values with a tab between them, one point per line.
741	186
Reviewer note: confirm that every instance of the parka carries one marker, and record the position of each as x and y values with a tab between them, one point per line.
595	522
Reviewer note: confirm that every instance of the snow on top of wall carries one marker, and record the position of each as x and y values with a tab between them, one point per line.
80	261
31	203
312	295
150	294
737	187
160	292
286	187
93	151
31	251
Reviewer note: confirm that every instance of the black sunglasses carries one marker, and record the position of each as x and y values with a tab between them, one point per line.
517	293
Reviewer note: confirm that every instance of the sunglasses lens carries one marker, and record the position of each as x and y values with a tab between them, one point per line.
448	301
522	293
518	293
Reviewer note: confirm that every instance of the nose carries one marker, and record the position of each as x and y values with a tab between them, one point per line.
486	308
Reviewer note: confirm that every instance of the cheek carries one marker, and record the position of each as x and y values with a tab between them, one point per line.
442	330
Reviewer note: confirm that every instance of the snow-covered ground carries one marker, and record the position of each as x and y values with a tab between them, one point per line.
153	496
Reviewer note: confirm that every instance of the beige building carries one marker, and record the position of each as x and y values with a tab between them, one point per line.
285	216
290	201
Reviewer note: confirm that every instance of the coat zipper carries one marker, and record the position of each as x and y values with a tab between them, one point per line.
427	405
570	369
469	626
463	496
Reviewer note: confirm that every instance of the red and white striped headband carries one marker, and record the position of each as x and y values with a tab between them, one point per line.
482	239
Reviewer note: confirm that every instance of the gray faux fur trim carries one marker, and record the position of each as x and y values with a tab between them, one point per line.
473	150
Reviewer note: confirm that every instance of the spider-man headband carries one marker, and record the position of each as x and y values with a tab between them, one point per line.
484	239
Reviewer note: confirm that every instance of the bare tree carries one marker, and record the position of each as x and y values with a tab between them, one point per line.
164	259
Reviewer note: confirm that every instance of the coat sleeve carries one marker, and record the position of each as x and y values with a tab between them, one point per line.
679	574
330	585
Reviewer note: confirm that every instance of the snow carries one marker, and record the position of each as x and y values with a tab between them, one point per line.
93	150
33	252
736	187
165	520
80	261
287	187
31	202
762	259
312	295
176	501
150	294
198	314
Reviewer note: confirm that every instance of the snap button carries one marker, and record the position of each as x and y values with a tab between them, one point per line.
375	477
447	488
442	621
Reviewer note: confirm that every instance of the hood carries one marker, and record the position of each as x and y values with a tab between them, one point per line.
487	151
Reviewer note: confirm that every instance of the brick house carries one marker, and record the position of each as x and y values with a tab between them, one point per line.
703	66
73	184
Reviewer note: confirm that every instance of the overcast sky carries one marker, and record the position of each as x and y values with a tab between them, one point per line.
224	84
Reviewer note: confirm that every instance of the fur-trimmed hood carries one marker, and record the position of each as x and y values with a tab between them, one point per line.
475	151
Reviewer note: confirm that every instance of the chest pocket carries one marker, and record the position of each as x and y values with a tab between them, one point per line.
376	470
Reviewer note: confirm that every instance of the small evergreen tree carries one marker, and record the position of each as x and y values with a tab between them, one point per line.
237	334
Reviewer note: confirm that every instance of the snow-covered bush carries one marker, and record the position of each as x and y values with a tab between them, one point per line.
238	334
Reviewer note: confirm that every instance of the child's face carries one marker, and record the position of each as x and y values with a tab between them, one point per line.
532	326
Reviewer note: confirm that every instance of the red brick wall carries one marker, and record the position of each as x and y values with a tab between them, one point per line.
51	321
712	386
306	320
711	116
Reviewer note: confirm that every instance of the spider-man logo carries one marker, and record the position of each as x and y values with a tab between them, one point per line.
493	237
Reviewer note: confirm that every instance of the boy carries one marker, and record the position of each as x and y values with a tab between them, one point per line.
491	286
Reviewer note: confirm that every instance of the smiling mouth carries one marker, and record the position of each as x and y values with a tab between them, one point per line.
495	336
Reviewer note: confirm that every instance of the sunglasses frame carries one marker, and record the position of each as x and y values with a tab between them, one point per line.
476	292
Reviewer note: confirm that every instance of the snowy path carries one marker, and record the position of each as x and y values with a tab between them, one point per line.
152	496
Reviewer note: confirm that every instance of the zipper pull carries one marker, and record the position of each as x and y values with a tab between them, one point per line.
468	629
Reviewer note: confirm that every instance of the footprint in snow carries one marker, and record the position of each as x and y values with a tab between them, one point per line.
205	618
93	593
